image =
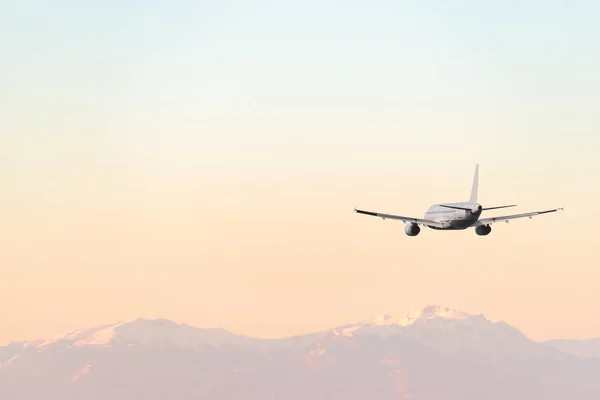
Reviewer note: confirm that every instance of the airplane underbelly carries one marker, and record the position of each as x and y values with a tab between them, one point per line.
455	223
461	223
455	220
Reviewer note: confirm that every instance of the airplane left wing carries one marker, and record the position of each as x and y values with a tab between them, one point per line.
487	221
404	219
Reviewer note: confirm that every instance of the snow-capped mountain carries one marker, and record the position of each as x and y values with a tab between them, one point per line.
396	324
430	316
459	335
431	353
143	332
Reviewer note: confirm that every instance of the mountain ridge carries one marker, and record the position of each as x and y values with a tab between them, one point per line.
431	353
586	348
429	314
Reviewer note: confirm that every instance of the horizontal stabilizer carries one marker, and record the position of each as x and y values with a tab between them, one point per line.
495	208
456	208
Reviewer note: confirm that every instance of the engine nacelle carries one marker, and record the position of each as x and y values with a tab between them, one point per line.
412	229
483	230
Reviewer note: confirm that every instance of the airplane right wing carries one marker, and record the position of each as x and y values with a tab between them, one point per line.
404	219
487	221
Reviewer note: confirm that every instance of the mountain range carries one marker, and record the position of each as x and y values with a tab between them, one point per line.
430	354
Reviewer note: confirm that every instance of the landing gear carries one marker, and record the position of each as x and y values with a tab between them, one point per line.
483	230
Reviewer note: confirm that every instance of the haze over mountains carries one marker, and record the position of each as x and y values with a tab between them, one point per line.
432	353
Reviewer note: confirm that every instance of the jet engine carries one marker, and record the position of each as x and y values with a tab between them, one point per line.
412	229
483	230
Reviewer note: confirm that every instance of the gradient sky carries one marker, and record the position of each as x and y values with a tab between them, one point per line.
200	161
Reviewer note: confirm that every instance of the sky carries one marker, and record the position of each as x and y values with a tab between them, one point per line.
200	161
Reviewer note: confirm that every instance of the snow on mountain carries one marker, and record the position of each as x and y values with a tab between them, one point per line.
429	316
99	336
142	332
431	312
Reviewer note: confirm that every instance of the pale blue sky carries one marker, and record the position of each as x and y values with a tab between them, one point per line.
91	80
207	119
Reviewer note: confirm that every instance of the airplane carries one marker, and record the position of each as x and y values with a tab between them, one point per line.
456	216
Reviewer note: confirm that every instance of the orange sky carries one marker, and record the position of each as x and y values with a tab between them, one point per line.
202	164
272	258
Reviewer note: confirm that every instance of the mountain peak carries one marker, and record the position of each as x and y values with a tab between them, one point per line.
434	311
141	331
428	312
389	323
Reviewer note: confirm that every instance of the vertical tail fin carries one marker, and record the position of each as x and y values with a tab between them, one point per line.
475	187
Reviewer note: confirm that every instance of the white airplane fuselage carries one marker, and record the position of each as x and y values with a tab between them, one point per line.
454	219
